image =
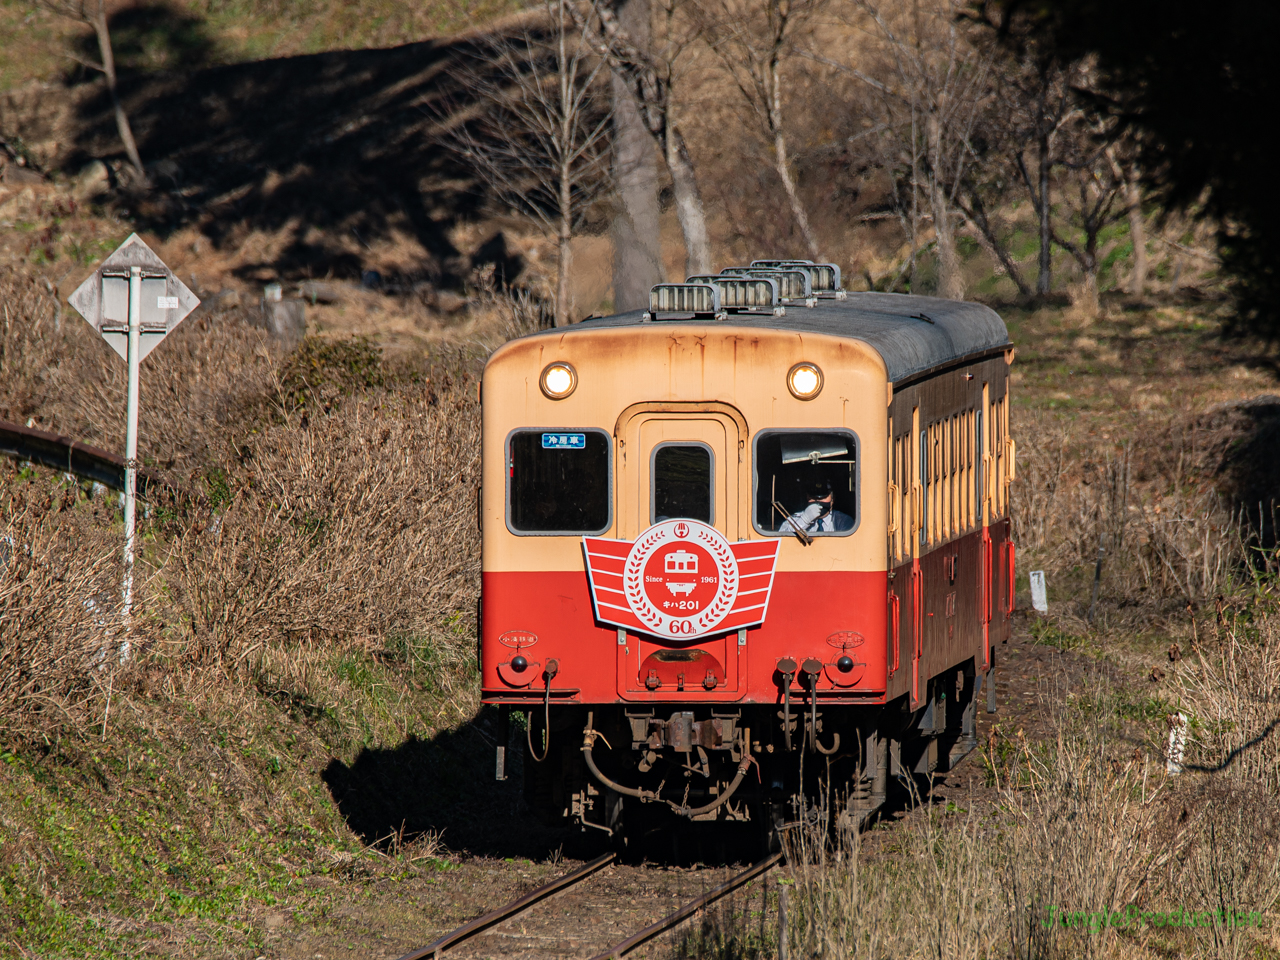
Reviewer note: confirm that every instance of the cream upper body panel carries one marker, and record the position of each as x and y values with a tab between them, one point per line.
712	372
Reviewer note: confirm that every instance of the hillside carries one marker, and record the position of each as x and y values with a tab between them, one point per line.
293	762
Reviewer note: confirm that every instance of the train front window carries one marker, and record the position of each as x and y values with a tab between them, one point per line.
682	480
558	482
806	481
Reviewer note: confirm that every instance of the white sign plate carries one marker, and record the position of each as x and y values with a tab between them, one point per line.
103	299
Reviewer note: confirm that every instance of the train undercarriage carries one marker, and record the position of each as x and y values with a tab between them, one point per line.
631	772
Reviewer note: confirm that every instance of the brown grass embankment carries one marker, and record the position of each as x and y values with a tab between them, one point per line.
318	504
305	592
1088	852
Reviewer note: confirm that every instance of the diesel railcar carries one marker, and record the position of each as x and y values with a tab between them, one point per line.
747	552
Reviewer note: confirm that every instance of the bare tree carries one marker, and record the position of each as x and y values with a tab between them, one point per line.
1093	144
651	79
94	13
933	87
1039	103
540	138
1132	178
753	39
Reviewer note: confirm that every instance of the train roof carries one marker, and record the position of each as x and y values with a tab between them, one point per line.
912	334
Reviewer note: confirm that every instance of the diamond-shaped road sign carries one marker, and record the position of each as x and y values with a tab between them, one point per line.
103	299
132	296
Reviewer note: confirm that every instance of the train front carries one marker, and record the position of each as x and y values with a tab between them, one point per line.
684	568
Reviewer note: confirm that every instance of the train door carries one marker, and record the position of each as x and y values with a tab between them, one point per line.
675	466
1002	565
986	562
902	528
919	542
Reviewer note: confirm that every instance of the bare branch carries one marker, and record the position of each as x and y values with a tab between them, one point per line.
535	129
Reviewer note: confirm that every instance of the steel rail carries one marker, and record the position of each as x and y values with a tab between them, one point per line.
689	909
66	454
471	928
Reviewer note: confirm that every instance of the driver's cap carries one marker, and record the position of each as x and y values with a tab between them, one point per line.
818	488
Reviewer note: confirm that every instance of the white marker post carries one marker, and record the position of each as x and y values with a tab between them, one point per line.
1039	595
1177	743
133	300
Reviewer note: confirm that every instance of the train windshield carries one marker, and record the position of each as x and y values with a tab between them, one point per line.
682	482
558	482
806	481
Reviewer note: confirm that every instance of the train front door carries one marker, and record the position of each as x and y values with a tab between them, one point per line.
679	465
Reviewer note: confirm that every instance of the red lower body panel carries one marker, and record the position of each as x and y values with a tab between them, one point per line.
812	616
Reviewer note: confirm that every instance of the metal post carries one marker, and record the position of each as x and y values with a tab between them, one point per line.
131	453
1097	581
504	735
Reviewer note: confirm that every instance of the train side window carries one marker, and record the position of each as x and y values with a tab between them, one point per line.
807	479
558	482
683	480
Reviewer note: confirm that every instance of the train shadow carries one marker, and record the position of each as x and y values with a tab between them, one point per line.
444	786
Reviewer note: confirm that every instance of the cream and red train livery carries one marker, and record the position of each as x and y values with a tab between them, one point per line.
719	540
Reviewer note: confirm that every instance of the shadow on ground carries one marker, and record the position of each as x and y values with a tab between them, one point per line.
1242	441
329	151
443	785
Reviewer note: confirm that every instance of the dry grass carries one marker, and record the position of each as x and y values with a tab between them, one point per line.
1167	540
306	588
319	507
314	569
1231	687
1080	829
198	389
57	569
338	529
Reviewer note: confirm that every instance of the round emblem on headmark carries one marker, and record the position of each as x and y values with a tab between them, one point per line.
681	578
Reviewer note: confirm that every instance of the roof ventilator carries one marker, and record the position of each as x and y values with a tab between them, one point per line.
684	301
794	285
824	277
745	294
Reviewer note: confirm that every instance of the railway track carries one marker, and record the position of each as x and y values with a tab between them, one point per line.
68	455
520	906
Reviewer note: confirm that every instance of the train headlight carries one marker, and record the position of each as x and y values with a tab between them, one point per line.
804	380
558	380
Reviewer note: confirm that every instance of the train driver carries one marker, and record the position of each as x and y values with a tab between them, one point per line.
819	516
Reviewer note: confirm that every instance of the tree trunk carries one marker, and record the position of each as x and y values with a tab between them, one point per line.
563	318
648	96
109	71
637	252
950	279
689	210
564	250
780	160
976	212
1086	297
1044	280
1138	234
788	184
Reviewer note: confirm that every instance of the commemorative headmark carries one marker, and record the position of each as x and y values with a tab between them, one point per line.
680	579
